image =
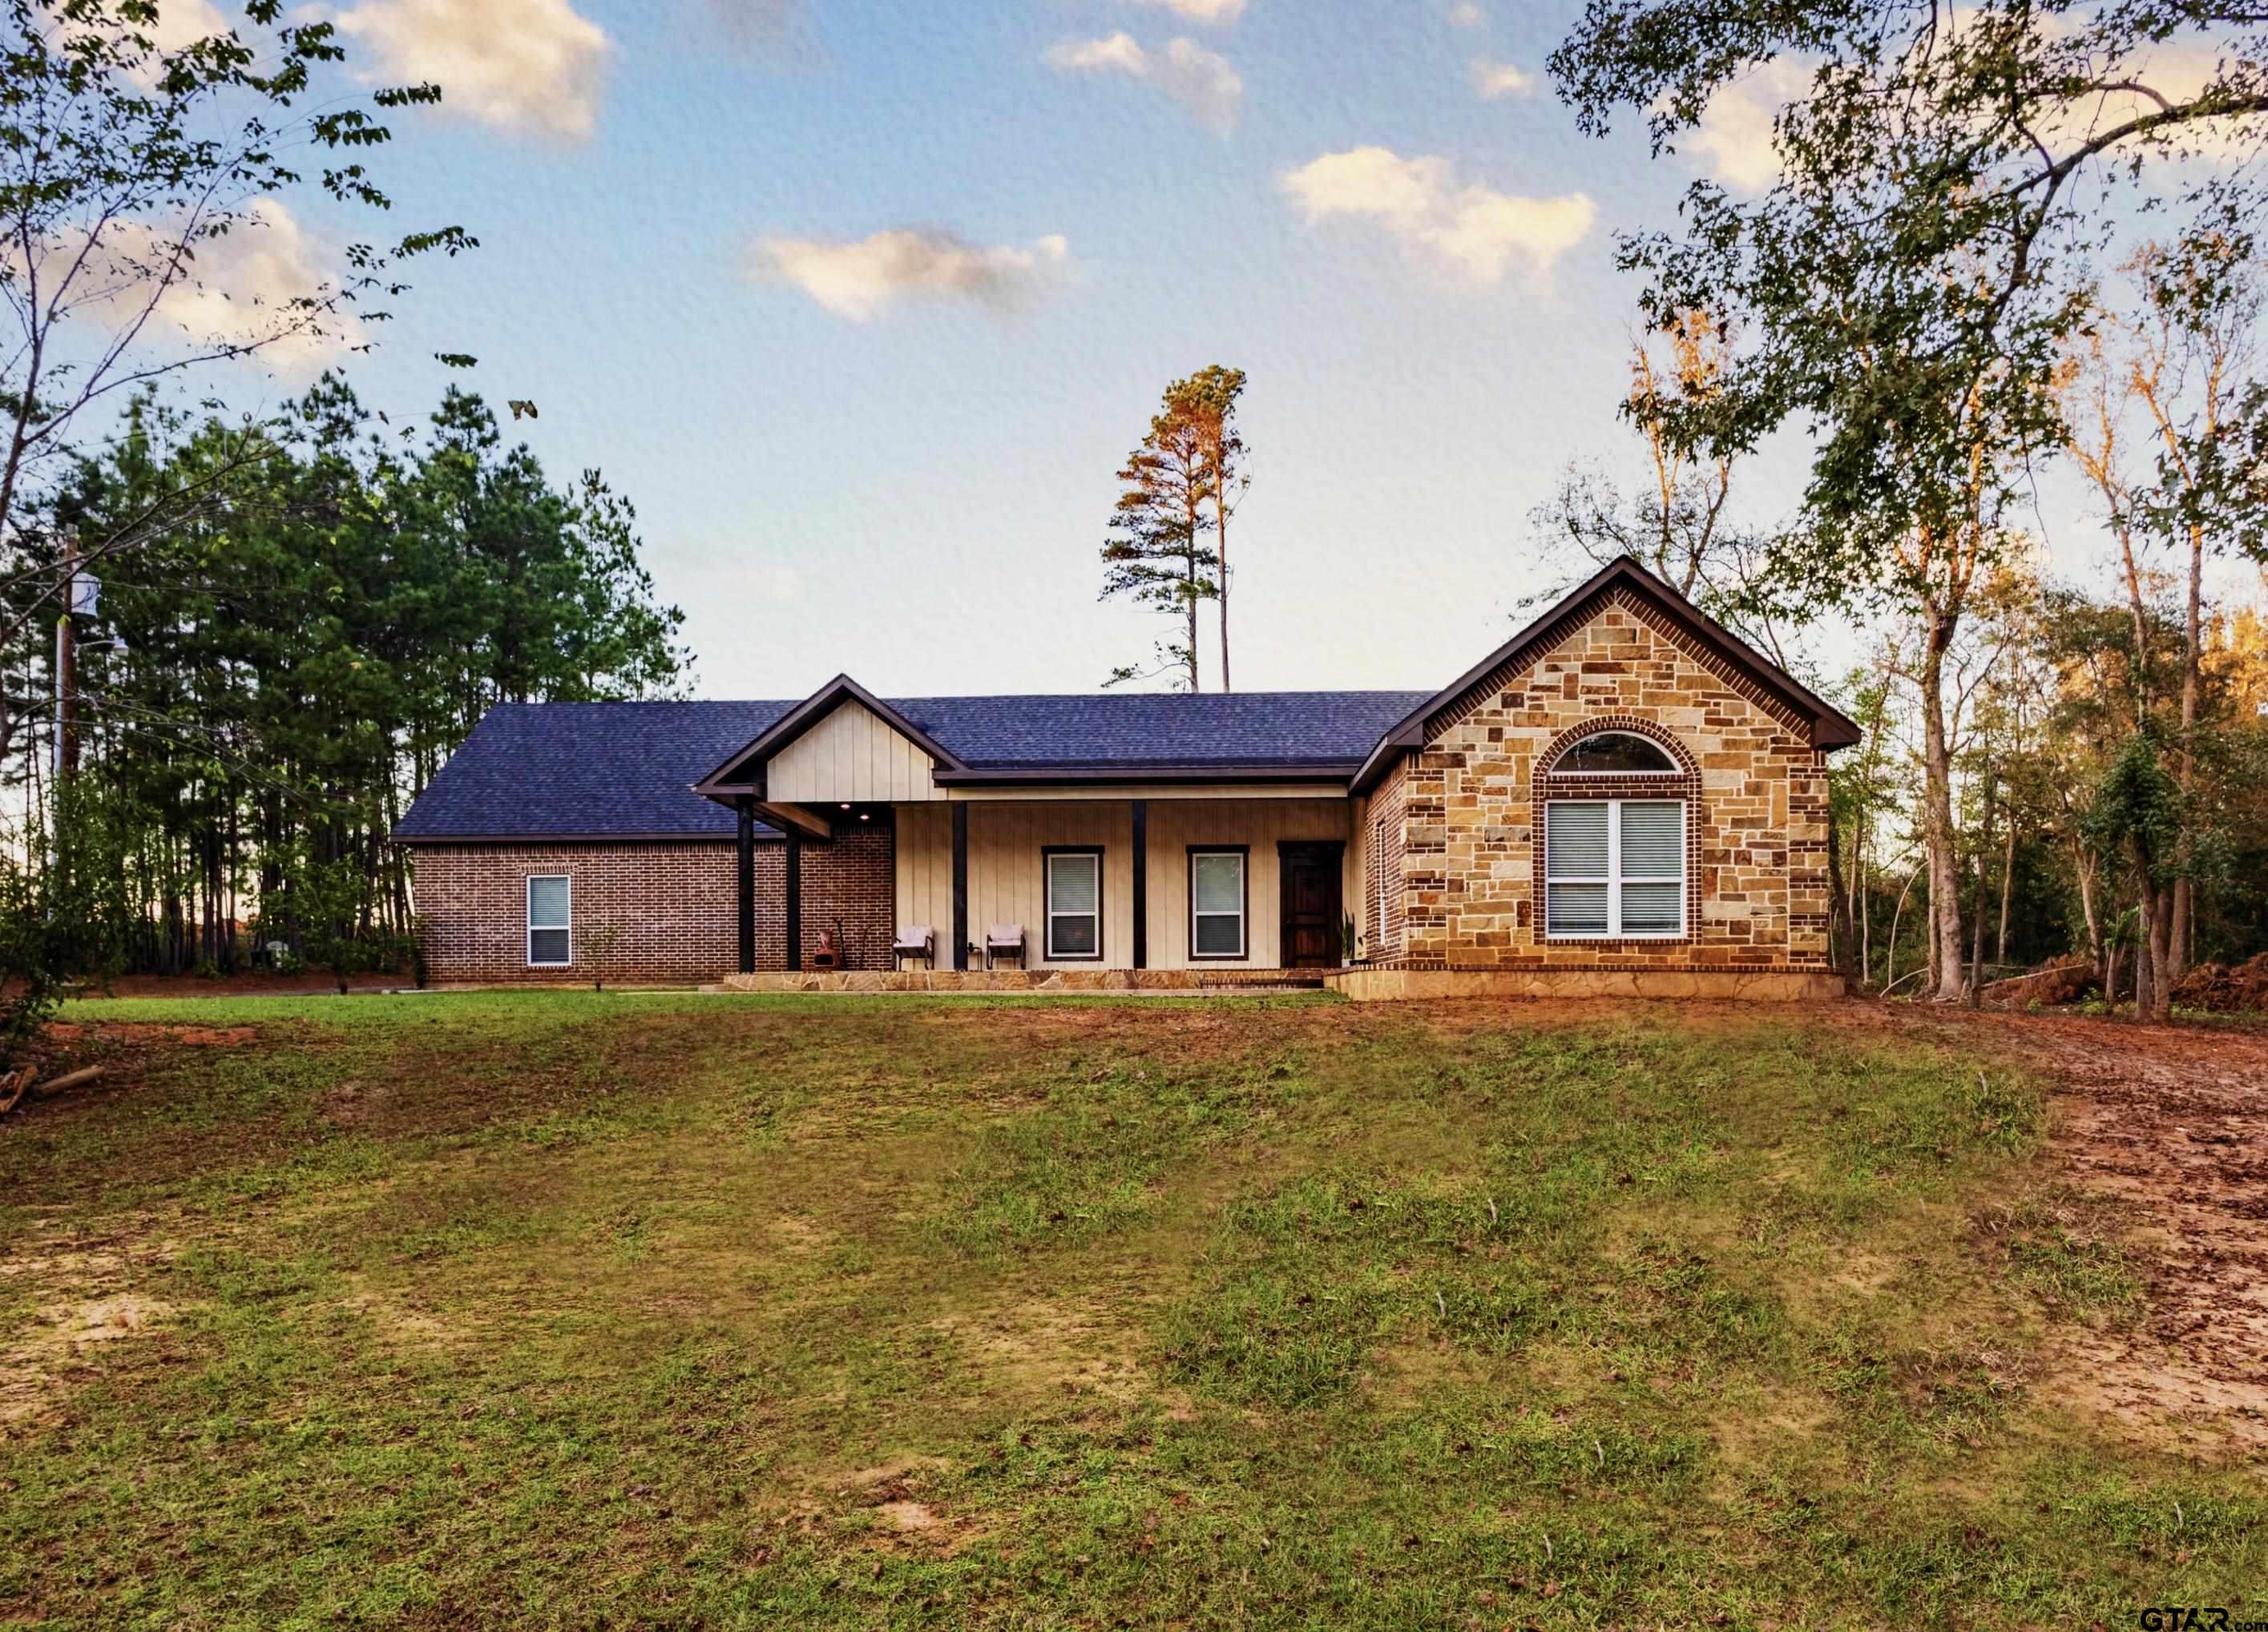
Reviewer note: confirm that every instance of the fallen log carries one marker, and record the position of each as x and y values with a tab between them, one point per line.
68	1079
19	1084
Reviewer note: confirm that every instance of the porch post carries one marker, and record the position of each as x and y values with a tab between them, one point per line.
794	899
747	884
960	885
1141	884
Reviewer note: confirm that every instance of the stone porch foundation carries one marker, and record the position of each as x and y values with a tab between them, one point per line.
1748	985
1023	981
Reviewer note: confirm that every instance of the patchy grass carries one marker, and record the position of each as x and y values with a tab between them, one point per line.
565	1310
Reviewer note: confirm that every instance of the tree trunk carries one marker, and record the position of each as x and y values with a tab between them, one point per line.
1976	982
1839	940
2083	866
1220	519
2177	935
2008	888
1937	816
2157	922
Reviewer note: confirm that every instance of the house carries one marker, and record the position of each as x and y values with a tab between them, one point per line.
1624	798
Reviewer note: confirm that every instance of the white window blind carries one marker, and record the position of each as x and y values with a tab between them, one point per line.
550	919
1217	904
1075	905
1613	869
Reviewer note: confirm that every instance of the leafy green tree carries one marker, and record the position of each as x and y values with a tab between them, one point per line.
1912	281
277	678
128	169
2137	808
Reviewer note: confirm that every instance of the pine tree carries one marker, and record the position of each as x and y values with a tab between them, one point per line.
1157	554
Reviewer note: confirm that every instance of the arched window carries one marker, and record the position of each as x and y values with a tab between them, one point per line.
1615	863
1615	754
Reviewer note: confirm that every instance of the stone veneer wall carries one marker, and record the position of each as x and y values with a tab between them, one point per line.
673	907
1756	816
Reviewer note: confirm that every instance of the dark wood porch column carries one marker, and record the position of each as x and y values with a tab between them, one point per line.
794	899
747	885
960	885
1141	884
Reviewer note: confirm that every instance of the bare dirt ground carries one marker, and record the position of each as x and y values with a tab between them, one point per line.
2169	1124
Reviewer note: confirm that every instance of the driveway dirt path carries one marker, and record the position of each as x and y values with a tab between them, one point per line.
2170	1123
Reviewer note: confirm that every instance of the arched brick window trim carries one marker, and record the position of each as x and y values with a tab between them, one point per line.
1685	784
1666	741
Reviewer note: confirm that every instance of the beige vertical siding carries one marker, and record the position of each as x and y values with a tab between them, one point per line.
1007	883
850	755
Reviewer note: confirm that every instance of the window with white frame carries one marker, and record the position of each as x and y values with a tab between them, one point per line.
550	919
1613	869
1074	904
1217	904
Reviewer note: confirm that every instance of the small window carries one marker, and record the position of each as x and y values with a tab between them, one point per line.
1616	754
1074	905
1613	869
1378	881
550	920
1217	904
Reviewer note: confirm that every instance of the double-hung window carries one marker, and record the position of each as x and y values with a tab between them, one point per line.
1074	879
1613	869
1217	904
550	920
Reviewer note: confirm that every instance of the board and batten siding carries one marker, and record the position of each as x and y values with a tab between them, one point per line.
853	756
1006	879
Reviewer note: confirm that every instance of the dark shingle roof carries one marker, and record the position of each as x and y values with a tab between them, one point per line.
1213	728
626	769
587	770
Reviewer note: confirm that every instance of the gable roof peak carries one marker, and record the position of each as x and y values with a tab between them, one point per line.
1830	727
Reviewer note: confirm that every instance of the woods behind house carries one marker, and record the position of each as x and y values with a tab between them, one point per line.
270	684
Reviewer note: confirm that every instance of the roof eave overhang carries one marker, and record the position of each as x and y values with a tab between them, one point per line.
1070	775
412	839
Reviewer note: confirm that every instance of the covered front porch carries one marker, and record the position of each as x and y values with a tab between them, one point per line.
1045	889
1213	884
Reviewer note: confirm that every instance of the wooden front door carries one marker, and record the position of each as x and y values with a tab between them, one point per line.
1312	929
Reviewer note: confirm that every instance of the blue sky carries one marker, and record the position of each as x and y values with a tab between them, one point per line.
893	454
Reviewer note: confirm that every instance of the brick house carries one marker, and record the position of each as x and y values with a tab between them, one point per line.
1624	799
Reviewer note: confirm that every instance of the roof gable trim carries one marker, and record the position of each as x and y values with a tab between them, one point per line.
732	778
1829	727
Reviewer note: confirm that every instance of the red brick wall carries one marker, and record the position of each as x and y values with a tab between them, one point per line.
669	907
850	879
664	913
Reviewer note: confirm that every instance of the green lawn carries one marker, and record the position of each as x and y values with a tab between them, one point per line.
573	1310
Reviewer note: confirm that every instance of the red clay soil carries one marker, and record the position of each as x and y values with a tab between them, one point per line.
65	1033
2170	1124
246	983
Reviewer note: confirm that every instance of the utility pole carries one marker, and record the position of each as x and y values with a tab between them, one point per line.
82	594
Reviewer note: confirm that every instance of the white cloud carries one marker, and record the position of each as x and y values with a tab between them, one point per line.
237	289
1475	229
1465	14
531	66
1201	81
1117	55
1733	140
182	22
858	278
1212	13
1493	80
